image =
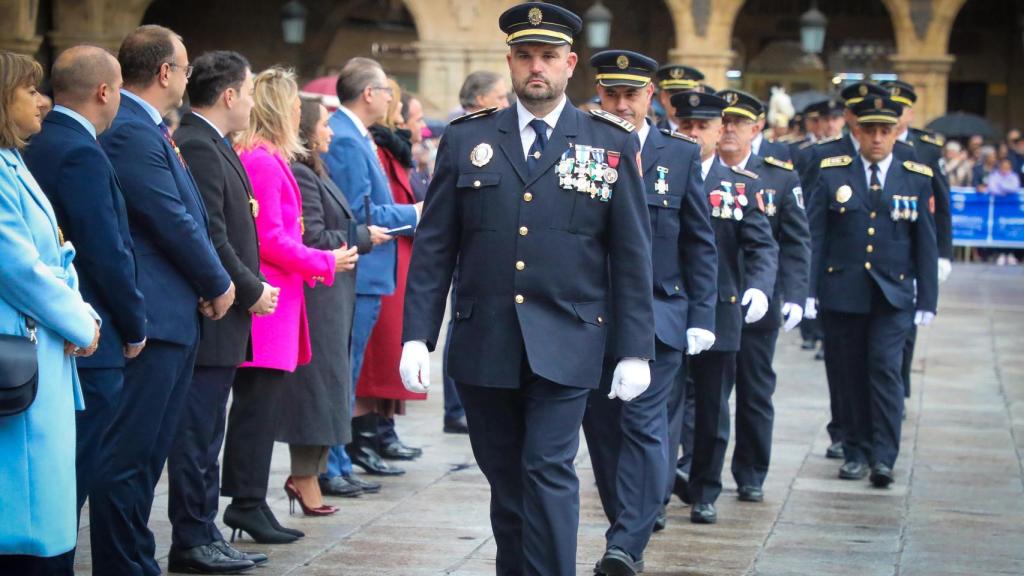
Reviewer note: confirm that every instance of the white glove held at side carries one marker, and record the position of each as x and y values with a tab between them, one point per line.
758	305
698	340
923	318
945	269
415	366
793	314
811	308
631	378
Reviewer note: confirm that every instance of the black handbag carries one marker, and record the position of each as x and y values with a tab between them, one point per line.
19	371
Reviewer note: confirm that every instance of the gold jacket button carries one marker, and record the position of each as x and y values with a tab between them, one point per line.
664	202
867	265
902	276
870	248
830	269
873	214
528	197
520	265
871	231
600	320
842	209
520	299
732	299
676	288
476	183
523	230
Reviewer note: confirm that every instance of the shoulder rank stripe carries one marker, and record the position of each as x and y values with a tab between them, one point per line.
614	120
473	115
806	144
746	173
779	163
681	136
836	161
827	140
935	140
919	168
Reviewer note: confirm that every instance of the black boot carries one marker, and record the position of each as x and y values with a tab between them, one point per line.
364	450
246	517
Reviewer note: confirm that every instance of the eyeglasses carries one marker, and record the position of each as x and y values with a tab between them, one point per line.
187	68
384	89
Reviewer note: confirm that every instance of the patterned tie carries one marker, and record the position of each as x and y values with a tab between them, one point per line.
533	156
875	186
167	136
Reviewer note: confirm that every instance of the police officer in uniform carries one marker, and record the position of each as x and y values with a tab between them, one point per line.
781	199
673	79
747	262
629	460
540	208
873	238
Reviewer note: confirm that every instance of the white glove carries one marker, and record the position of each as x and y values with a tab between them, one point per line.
923	317
758	305
793	314
415	366
631	378
945	269
698	340
811	309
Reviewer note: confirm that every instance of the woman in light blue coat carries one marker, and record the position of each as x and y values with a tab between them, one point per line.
37	447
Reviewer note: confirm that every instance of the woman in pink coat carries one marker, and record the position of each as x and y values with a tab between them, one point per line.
280	341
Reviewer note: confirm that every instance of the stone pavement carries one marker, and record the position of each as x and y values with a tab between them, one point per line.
957	506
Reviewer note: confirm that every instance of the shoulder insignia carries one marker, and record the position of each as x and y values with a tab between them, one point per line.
836	161
778	163
933	139
614	120
789	139
473	115
746	173
918	167
673	134
806	144
827	140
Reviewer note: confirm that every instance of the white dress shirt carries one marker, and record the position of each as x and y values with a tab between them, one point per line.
755	146
526	133
212	125
705	166
883	169
643	131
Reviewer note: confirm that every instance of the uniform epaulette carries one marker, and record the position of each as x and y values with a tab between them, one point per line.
473	115
789	139
806	144
827	140
679	135
778	163
834	161
918	167
743	172
933	139
614	120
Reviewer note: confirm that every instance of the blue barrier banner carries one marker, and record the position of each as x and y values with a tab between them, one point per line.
986	219
1008	221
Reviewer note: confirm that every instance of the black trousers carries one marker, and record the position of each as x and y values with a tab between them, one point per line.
810	329
193	467
135	448
252	426
681	408
908	359
868	354
835	396
708	372
630	461
525	441
755	415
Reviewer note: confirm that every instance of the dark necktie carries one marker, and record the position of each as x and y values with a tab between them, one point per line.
875	186
533	156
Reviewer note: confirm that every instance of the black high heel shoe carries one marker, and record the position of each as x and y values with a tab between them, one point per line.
253	522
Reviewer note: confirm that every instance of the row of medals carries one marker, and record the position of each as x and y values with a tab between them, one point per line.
585	170
725	204
904	208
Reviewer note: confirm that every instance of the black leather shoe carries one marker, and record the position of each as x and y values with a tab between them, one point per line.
371	462
751	494
367	486
704	514
820	354
808	345
458	426
399	451
853	471
227	550
204	560
881	475
661	521
617	562
835	451
337	486
681	487
253	521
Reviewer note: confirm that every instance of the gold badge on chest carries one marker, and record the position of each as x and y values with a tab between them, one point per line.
481	154
843	194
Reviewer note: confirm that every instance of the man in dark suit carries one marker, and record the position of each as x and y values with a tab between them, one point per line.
76	176
629	458
874	269
540	208
747	262
220	93
782	201
179	275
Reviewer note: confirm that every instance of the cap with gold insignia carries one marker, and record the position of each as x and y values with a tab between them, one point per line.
901	92
675	77
741	104
623	68
824	109
698	105
877	110
856	92
538	22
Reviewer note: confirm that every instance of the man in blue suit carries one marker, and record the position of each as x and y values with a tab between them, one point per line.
76	176
355	167
179	275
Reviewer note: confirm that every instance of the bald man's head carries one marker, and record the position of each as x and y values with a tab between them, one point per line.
79	72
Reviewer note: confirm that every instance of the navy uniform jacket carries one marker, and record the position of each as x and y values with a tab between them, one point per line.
747	255
928	150
79	181
544	270
855	244
774	149
783	199
176	260
685	258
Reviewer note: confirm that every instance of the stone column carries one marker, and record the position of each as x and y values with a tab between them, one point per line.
96	22
930	77
442	68
704	36
18	33
713	64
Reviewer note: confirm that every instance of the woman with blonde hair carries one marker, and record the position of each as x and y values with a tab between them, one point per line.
280	342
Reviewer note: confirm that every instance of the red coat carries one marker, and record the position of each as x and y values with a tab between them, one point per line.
379	377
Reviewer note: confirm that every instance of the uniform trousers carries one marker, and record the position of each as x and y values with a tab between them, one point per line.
252	429
835	395
525	440
908	360
755	415
193	467
135	448
630	461
681	406
810	329
868	357
708	372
